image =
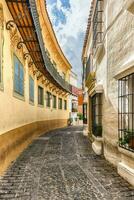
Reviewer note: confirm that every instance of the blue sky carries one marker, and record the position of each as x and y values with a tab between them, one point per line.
69	19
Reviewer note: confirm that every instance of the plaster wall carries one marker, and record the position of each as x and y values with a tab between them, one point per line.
21	121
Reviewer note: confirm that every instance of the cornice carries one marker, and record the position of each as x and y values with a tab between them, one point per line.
52	33
88	28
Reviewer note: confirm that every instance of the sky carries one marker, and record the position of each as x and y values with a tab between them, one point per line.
69	19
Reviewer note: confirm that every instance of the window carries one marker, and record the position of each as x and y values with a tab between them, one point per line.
97	115
65	104
54	101
1	42
74	107
60	103
97	23
48	99
18	76
40	95
126	112
31	89
85	113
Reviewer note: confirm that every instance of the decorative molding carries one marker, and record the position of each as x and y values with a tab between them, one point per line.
63	94
35	71
26	55
39	77
126	69
20	44
30	64
10	24
44	80
97	89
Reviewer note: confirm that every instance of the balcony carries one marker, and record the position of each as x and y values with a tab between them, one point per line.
98	28
54	73
90	75
90	82
88	67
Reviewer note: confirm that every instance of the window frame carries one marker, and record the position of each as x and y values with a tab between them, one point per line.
17	93
54	102
96	102
60	103
42	101
65	104
30	99
48	99
126	112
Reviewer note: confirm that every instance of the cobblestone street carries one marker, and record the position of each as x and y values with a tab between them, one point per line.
61	165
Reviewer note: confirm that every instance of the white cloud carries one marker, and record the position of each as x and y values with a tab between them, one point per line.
71	34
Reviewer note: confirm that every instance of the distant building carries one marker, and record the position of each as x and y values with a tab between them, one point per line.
80	101
73	98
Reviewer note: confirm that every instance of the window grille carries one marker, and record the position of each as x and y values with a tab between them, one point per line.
97	115
98	23
126	112
88	67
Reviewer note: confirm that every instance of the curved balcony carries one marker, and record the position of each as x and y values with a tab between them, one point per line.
54	73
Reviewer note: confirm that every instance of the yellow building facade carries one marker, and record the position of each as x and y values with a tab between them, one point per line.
34	77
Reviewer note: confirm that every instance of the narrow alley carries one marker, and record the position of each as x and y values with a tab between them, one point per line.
60	165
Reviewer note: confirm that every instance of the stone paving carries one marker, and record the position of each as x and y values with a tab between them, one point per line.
61	165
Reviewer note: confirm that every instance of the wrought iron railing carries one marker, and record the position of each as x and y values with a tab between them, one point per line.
48	64
54	73
98	24
88	67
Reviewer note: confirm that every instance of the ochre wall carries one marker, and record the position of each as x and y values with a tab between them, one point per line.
15	141
20	120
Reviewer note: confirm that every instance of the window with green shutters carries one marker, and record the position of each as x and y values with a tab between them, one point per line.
54	101
60	103
40	95
65	104
31	89
18	76
48	99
